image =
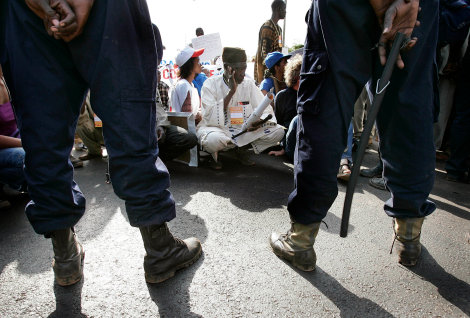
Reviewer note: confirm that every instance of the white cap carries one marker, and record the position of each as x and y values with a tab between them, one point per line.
185	54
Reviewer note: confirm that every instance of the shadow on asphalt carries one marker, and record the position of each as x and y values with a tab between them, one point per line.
454	290
253	189
440	190
172	296
101	201
333	224
349	304
451	209
68	301
20	244
34	257
457	193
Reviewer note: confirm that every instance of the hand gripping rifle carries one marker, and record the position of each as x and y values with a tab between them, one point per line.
381	87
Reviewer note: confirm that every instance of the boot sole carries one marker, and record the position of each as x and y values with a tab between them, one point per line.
155	279
407	262
73	279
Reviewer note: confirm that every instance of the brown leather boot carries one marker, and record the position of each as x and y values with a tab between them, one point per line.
297	245
407	234
68	257
166	254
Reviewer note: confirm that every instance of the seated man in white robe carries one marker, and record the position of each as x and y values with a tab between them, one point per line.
228	100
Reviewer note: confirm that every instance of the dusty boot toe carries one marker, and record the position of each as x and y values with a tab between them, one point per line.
303	259
407	240
167	254
297	245
278	247
408	253
188	257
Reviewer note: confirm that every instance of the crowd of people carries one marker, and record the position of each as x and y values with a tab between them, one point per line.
287	109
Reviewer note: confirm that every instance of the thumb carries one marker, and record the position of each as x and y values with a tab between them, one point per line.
48	11
50	14
388	20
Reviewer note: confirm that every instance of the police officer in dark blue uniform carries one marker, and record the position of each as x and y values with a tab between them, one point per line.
52	52
337	63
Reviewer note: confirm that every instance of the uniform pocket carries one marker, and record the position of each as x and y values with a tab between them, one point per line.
312	74
137	119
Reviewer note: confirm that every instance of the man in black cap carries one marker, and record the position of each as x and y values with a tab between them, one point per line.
228	101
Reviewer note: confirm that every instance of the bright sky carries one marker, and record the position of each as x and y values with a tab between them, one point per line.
238	21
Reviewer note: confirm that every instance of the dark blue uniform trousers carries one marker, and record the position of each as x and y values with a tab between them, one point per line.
116	59
337	63
456	166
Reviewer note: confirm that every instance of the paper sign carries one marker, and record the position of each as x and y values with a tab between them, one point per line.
251	136
98	122
236	115
211	44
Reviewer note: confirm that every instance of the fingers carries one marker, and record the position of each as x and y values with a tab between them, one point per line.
400	63
49	13
59	19
401	16
233	81
410	44
68	23
387	34
388	22
42	9
382	53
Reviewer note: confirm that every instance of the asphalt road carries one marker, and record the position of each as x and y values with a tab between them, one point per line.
233	212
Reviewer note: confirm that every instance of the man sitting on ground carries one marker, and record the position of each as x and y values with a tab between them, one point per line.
11	151
173	141
228	100
163	92
285	106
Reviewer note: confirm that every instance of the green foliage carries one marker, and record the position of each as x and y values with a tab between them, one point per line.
295	47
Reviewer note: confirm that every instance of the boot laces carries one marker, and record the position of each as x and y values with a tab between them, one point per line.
393	243
179	241
395	237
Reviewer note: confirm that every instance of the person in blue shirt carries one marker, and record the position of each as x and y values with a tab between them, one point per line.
274	78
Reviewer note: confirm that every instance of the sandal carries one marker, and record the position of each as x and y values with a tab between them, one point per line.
344	170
